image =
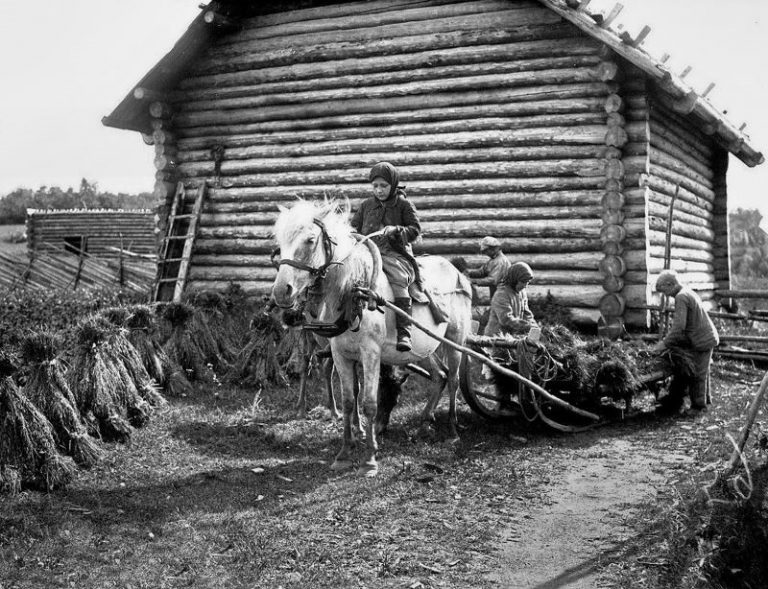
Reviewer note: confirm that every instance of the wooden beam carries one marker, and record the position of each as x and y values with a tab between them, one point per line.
708	90
615	11
140	93
641	36
685	72
220	21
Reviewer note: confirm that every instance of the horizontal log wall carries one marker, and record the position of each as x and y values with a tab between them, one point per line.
683	156
135	232
500	116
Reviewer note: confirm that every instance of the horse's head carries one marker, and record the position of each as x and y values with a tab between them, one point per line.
305	242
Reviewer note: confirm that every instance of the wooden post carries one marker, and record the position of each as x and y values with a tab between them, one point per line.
120	269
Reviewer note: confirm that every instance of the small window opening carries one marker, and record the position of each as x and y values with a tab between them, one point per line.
74	244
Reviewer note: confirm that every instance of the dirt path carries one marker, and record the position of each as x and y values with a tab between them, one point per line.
586	516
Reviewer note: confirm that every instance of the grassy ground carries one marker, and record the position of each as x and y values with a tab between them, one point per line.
225	489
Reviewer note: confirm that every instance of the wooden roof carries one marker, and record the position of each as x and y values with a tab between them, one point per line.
133	112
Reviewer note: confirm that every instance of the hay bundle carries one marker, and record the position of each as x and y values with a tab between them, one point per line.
259	362
675	361
48	389
27	443
614	379
127	359
214	334
97	387
142	334
10	480
181	347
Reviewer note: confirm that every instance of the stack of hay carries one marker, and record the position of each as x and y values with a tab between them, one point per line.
260	362
127	358
48	389
28	450
214	333
103	387
183	350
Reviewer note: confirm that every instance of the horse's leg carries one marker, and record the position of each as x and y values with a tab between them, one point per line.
438	374
305	365
357	433
371	368
347	373
454	362
327	369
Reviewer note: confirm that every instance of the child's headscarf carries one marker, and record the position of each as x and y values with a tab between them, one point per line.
390	174
517	272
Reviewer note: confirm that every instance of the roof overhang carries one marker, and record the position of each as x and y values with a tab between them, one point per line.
681	96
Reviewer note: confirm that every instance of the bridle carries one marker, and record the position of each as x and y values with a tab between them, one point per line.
321	328
319	272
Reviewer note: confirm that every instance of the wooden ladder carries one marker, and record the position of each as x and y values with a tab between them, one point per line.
176	248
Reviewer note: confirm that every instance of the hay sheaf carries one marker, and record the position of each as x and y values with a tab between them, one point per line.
27	442
182	347
260	362
47	388
104	376
144	337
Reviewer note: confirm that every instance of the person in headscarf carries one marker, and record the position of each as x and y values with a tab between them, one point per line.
509	306
693	332
494	270
392	217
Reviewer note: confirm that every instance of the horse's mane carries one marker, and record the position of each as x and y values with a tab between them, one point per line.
333	213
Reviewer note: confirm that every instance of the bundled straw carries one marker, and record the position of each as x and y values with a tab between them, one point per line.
212	331
10	480
47	388
259	362
27	443
143	335
98	388
181	347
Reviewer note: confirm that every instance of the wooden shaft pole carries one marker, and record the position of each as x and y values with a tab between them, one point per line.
477	356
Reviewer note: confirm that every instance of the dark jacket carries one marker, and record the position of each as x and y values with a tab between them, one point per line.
691	325
397	211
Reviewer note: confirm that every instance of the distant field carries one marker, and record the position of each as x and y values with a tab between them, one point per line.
6	232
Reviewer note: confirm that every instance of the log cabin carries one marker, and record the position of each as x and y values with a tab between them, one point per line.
534	121
101	233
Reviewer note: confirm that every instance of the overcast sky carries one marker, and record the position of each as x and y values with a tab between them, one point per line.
65	65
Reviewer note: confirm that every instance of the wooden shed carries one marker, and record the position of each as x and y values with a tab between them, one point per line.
530	120
101	233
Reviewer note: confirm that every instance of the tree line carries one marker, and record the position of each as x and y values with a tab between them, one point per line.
14	205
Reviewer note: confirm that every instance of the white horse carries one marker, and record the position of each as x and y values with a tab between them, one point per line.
323	262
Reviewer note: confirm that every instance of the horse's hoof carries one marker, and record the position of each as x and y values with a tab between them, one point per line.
368	470
427	430
339	465
381	429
